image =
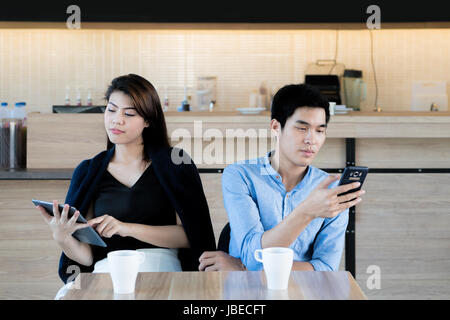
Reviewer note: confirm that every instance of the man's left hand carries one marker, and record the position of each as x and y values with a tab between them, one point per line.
219	261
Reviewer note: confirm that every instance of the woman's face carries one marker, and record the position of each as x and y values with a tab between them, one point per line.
122	122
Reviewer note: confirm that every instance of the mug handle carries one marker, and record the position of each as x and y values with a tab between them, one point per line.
257	255
142	258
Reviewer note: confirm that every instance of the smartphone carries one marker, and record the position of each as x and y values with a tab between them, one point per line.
353	174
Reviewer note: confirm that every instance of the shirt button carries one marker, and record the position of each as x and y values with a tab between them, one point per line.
278	177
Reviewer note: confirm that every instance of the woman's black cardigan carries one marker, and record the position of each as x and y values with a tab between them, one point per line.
183	186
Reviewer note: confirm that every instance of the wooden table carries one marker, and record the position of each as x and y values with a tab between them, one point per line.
227	285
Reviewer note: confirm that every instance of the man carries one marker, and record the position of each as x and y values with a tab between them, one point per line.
281	200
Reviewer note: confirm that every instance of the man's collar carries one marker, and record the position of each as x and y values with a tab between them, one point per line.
266	164
269	170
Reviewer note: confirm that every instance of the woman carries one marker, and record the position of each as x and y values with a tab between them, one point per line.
133	193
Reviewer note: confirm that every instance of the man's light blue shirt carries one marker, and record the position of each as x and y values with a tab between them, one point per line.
256	200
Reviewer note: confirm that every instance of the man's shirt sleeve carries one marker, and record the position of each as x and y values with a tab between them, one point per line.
244	218
329	242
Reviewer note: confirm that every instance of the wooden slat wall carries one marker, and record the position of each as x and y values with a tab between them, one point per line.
403	153
403	226
241	56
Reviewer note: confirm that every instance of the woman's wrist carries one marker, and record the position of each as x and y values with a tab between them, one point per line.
126	229
62	241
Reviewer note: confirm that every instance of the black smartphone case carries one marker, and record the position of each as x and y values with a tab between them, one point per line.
353	174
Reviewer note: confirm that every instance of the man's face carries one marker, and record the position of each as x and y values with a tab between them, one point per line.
302	136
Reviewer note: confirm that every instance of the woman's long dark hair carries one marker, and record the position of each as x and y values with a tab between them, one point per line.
146	101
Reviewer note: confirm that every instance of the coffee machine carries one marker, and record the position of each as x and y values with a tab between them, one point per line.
328	85
326	75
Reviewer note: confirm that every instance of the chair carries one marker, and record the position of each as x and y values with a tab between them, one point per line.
224	239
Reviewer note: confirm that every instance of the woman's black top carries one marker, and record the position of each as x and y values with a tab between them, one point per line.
144	203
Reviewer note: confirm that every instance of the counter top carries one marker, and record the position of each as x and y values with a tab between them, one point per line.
354	124
171	115
356	116
36	174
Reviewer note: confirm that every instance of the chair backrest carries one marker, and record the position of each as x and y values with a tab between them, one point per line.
224	239
212	186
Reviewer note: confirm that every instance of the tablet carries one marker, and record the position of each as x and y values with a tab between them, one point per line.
88	234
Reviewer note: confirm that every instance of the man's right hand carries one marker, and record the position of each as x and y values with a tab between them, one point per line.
325	203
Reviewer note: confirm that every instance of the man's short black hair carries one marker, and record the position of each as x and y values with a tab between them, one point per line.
293	96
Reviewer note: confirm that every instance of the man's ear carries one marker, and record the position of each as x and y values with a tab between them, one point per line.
275	127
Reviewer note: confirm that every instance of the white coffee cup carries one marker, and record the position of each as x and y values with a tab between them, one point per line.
277	262
332	107
123	268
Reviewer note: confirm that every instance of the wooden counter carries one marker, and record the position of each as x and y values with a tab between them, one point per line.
49	134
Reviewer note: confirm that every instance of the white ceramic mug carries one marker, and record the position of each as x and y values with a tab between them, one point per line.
332	107
277	262
123	268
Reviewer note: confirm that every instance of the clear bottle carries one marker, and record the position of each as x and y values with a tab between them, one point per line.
78	97
20	113
89	97
263	98
166	100
67	98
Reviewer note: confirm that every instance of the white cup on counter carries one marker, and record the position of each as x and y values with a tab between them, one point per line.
124	267
332	106
277	262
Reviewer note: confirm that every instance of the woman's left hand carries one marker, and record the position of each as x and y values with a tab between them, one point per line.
108	226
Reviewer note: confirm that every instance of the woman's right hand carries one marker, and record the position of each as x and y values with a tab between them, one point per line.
62	227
